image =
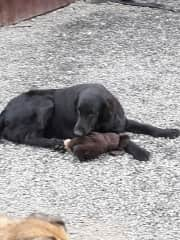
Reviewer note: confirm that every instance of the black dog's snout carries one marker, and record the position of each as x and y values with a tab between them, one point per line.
78	132
80	129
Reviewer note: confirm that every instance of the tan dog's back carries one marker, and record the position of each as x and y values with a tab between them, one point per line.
4	221
30	228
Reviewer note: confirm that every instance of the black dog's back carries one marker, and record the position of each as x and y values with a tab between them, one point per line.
24	114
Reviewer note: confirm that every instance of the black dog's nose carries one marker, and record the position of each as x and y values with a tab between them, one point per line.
78	132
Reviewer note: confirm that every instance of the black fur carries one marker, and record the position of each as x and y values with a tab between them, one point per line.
45	117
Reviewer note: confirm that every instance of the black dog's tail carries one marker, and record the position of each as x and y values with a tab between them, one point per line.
1	122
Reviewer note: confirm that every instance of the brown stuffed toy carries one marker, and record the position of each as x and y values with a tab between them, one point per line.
91	146
34	227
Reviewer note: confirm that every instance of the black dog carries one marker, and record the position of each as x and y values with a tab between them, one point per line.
45	117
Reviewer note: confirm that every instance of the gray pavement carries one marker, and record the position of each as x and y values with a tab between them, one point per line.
135	53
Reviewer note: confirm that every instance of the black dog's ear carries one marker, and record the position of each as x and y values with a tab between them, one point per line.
44	113
76	104
107	110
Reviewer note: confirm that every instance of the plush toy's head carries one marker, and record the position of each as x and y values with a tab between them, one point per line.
91	146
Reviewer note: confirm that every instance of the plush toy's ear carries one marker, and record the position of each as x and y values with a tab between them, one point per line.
123	141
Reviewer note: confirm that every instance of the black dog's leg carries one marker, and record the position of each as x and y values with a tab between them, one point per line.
137	152
53	143
141	128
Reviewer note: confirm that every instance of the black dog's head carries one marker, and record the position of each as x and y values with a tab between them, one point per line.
91	108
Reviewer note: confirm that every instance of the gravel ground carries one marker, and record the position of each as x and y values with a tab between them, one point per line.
134	52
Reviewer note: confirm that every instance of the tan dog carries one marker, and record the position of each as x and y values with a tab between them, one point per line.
34	227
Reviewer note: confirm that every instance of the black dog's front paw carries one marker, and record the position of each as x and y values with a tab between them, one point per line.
172	133
61	149
137	152
142	155
59	146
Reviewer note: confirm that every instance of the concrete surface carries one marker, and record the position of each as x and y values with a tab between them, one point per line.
134	52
